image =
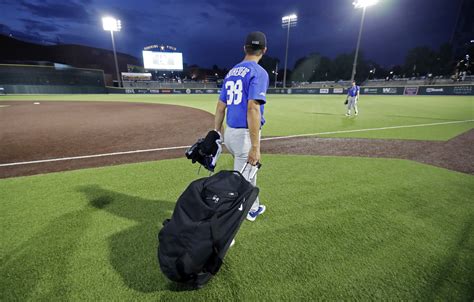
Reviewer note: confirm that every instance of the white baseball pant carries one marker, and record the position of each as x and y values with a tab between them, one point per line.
237	141
352	103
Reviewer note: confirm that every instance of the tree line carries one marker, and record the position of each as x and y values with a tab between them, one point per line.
419	61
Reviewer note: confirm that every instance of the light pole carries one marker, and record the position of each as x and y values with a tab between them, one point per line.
112	24
287	21
360	4
276	74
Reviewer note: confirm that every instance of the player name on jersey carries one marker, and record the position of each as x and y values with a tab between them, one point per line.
238	72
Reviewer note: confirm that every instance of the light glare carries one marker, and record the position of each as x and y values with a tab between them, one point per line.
111	24
364	3
290	18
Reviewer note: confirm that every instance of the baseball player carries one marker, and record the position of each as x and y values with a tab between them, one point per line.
243	96
352	98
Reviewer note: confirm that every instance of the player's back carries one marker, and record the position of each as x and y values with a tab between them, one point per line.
238	79
246	80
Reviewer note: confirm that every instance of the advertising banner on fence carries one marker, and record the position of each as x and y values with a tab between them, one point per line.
410	91
447	90
390	90
370	90
299	91
432	90
463	90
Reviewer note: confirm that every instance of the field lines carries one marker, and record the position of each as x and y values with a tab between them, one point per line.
263	139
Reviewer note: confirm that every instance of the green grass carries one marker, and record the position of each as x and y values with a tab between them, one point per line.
336	228
302	114
370	229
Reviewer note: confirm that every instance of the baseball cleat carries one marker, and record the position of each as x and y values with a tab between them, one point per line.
252	215
347	114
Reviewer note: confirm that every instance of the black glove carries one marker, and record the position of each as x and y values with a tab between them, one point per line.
347	101
206	151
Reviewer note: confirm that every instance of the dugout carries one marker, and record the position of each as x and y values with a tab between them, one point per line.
33	79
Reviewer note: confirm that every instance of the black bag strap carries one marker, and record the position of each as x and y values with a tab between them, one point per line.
215	233
215	261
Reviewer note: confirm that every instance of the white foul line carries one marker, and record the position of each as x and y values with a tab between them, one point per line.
184	147
91	156
363	130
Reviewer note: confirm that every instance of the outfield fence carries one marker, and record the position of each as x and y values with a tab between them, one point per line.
31	79
401	90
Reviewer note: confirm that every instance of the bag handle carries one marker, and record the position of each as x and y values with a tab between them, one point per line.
251	176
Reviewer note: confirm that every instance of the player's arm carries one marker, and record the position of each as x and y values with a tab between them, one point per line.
254	122
219	117
358	93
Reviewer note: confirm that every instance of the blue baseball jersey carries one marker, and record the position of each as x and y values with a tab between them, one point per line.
353	90
246	81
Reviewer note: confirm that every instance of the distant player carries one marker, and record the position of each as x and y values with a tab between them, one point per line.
352	98
243	95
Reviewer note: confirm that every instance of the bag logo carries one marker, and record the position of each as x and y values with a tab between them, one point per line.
241	208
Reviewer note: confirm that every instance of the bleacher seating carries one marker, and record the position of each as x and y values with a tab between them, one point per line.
166	85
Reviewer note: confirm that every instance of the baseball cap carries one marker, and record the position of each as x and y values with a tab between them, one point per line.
256	39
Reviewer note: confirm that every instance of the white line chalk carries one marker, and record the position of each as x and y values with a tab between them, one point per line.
184	147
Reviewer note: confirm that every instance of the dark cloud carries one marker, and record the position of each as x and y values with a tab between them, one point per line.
327	27
58	10
5	29
31	25
205	15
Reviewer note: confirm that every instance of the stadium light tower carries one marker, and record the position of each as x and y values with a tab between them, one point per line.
112	24
287	21
360	4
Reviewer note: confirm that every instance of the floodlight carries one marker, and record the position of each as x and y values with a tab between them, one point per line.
287	21
111	24
360	4
364	3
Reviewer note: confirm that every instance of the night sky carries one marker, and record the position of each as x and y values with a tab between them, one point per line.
213	31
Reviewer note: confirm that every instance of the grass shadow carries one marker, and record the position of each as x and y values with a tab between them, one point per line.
347	121
326	113
133	251
39	271
460	256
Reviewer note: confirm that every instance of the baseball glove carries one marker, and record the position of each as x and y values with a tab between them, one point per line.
347	101
206	151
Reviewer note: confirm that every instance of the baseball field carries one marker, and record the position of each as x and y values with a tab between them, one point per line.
373	207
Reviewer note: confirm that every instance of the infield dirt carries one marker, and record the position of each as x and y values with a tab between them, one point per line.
51	130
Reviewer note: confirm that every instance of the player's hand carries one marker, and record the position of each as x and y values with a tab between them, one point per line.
254	156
